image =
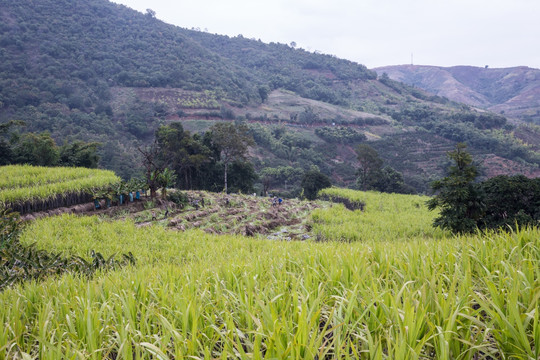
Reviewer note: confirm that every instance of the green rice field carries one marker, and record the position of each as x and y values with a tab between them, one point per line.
383	284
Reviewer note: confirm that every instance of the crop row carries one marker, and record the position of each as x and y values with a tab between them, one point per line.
47	188
18	176
196	295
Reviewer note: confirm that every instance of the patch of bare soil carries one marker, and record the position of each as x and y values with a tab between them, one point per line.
244	215
252	230
496	165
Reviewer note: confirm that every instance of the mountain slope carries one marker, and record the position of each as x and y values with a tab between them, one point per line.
97	71
514	92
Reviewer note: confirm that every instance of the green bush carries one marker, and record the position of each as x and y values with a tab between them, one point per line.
178	197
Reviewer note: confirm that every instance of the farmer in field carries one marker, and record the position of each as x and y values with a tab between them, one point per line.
280	200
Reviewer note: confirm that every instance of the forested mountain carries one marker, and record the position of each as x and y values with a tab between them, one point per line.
514	92
97	71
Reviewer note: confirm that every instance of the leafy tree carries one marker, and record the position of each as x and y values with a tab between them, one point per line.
242	177
391	181
263	92
458	198
181	152
285	176
150	13
268	177
308	116
165	179
511	201
233	142
6	153
209	175
314	181
36	149
370	165
373	176
79	153
226	113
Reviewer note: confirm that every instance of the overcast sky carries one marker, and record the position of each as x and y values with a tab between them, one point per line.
498	33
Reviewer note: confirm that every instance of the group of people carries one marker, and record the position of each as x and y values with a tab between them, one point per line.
276	201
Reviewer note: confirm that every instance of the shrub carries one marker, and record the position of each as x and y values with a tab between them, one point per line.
178	197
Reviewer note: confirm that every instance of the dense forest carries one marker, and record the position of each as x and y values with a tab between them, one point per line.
103	74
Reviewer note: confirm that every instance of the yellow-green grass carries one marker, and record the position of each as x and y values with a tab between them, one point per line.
29	184
385	216
200	296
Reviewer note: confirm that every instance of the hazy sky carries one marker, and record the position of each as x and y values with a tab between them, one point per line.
498	33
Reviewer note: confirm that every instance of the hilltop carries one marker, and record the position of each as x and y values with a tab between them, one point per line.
98	71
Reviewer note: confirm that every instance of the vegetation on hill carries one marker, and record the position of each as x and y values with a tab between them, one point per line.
94	71
514	92
41	149
281	66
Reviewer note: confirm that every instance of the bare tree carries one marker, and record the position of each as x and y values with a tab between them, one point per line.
152	168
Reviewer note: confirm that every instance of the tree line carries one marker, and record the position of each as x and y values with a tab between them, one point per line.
217	160
501	202
213	161
40	149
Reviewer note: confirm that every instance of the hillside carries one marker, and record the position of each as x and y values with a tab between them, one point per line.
514	92
98	71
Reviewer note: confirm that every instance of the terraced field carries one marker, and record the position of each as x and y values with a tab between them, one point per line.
214	213
391	287
26	188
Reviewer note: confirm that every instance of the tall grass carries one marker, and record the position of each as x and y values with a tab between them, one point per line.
24	187
201	296
385	216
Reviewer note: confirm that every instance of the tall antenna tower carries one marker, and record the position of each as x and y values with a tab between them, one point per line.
412	59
